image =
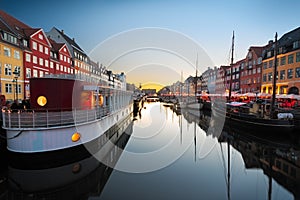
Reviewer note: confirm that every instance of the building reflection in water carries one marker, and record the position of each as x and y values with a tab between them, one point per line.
75	174
277	155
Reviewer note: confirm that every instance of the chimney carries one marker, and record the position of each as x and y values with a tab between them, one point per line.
62	31
73	39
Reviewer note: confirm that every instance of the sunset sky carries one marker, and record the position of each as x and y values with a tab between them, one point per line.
155	41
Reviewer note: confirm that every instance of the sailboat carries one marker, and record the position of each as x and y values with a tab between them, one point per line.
259	115
192	103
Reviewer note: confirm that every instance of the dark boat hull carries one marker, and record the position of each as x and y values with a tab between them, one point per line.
262	125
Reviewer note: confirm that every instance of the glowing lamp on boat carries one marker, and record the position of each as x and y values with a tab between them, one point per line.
42	100
75	137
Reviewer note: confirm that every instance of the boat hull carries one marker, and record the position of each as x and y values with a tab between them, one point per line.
261	125
58	138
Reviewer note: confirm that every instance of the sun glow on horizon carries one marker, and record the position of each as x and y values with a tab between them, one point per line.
156	86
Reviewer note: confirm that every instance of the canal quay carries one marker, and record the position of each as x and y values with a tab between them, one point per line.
161	152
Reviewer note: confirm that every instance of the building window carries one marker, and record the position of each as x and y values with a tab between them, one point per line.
35	73
61	68
69	60
270	76
41	74
242	66
25	43
41	36
8	88
282	74
265	78
34	59
34	45
254	71
265	65
46	63
28	73
291	59
270	63
41	48
296	44
297	72
61	57
259	60
10	38
298	57
258	70
17	54
19	88
18	69
46	50
6	51
51	65
7	69
290	73
28	57
57	66
41	61
283	60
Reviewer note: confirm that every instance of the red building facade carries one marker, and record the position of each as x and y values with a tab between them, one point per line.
40	55
250	71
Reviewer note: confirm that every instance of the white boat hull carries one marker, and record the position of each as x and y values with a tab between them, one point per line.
58	138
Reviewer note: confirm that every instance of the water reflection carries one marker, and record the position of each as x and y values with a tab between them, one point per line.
79	175
183	157
276	155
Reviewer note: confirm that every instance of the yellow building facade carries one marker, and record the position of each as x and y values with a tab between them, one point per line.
288	73
11	73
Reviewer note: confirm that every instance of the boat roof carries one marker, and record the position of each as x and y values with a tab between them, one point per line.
234	103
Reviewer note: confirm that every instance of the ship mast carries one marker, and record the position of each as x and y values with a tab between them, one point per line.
231	64
274	79
195	81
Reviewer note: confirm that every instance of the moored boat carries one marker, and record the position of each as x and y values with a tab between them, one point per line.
66	112
255	116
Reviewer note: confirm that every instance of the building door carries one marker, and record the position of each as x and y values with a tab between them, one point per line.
293	90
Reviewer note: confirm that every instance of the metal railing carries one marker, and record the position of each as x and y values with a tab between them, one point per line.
20	119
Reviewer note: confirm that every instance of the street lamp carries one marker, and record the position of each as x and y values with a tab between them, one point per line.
17	74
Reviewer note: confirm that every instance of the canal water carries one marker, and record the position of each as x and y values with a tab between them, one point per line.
164	153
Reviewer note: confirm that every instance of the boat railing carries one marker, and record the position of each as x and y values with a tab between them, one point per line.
28	119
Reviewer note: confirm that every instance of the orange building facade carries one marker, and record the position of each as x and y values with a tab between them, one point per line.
288	65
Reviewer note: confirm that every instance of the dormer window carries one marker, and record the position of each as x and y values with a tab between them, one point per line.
41	37
25	43
9	38
296	44
249	55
